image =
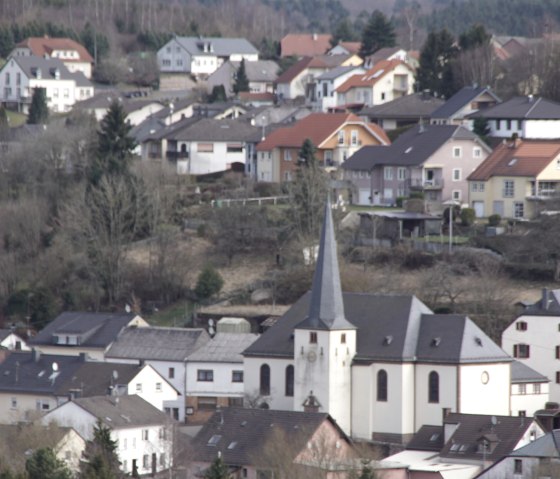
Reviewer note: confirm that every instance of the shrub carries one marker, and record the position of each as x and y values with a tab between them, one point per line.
494	220
400	201
209	283
418	195
467	216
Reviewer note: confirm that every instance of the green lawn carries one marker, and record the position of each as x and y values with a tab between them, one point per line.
15	118
176	314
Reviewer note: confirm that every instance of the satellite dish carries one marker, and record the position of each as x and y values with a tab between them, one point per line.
115	374
211	323
54	367
127	308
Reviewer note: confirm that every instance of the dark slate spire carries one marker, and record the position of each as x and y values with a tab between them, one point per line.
326	309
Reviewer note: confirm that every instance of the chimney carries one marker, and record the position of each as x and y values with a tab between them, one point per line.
35	355
545	300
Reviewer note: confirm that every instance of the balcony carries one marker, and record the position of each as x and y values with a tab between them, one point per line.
424	185
177	155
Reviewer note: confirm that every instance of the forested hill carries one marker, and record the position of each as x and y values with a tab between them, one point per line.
529	18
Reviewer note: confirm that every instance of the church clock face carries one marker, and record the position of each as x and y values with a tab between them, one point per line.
311	356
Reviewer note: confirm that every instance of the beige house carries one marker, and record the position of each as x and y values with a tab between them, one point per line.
516	179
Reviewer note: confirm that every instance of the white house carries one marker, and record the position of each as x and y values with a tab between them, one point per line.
527	117
167	351
10	340
202	56
534	339
529	390
74	56
327	83
143	433
381	365
21	75
33	383
215	374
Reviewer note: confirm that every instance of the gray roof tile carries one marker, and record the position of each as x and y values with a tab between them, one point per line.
458	101
220	46
163	344
412	148
522	107
123	411
416	105
547	446
99	329
224	348
240	435
521	373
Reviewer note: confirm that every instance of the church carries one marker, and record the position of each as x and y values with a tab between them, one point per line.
381	365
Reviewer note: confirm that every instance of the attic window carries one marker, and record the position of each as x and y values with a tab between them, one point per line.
512	162
455	447
434	437
463	448
232	445
436	342
388	340
214	440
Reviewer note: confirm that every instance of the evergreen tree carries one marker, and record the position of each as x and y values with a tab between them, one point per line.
241	80
378	33
344	32
44	464
38	111
217	470
474	37
307	153
481	128
209	283
435	72
115	145
100	459
218	94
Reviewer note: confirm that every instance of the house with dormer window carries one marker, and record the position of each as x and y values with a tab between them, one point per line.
381	365
20	75
202	56
74	55
73	333
336	136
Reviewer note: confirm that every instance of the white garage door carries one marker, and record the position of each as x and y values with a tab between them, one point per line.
364	195
478	207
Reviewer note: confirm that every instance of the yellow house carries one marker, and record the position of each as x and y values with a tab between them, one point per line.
516	179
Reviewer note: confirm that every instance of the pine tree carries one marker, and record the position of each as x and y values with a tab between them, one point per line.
218	94
217	470
378	33
241	80
209	283
115	145
38	111
435	72
307	153
100	459
44	464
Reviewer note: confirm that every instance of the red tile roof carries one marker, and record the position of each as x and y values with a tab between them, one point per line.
372	76
318	127
250	96
41	46
525	158
304	44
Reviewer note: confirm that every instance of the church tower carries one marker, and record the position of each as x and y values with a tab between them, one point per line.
325	341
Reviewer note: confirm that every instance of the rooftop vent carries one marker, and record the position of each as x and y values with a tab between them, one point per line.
388	340
436	342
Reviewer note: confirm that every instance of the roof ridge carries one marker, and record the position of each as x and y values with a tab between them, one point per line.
533	107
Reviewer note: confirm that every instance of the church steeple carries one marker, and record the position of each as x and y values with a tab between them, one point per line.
326	309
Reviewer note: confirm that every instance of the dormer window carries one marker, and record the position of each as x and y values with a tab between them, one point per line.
312	337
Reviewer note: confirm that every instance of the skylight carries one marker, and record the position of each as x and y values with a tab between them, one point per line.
434	437
408	150
214	440
232	445
512	162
